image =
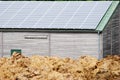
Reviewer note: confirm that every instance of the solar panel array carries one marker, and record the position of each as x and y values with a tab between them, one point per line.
52	14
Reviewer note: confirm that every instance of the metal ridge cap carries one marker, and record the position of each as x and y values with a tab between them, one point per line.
107	16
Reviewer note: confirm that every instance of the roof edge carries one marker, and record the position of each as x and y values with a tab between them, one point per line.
107	16
48	30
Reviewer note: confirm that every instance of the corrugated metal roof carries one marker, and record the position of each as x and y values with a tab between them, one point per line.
52	14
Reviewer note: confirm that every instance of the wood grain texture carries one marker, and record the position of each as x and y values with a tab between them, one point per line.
74	45
111	35
57	44
0	44
16	40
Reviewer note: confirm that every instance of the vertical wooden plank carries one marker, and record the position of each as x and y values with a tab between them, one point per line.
101	45
111	35
119	27
0	44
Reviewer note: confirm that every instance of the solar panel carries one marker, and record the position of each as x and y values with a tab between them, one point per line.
95	16
3	8
49	14
41	21
73	15
17	8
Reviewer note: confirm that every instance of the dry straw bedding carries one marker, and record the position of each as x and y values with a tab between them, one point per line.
19	67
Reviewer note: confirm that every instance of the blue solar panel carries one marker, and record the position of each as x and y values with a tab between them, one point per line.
49	14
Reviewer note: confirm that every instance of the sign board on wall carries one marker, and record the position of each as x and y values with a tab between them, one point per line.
16	50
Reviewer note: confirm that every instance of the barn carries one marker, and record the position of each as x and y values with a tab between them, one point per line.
60	28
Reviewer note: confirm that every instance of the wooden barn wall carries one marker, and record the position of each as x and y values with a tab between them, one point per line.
0	44
29	42
111	35
56	44
100	51
74	45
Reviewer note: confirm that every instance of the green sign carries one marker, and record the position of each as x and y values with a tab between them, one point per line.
16	50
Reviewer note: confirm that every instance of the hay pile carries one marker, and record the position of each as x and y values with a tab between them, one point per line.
108	68
19	67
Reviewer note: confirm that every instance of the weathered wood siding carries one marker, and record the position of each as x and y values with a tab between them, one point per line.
74	44
0	44
111	35
17	40
101	46
57	44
